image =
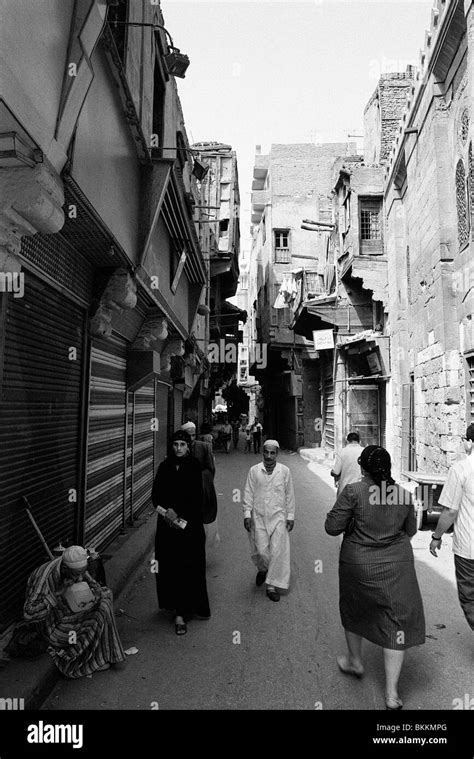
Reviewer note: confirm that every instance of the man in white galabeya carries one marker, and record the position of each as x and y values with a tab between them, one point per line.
346	469
269	515
457	499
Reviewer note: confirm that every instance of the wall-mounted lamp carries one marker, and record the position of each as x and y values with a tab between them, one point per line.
176	62
15	151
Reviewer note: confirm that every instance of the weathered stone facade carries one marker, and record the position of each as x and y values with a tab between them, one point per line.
428	244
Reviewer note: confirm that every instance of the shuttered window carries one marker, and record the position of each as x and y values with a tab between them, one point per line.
40	431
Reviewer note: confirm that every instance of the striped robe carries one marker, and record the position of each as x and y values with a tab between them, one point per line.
96	641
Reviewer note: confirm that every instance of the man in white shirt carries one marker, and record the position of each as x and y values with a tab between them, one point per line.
457	499
269	515
346	469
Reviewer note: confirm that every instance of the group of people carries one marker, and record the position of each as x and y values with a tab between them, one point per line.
379	595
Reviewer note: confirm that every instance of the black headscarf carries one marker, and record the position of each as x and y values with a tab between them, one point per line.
178	435
377	462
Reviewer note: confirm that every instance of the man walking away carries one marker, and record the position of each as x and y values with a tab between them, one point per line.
457	499
269	514
346	469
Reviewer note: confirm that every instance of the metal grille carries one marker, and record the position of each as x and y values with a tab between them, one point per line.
53	256
370	224
461	204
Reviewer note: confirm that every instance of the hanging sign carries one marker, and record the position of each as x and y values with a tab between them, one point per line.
323	339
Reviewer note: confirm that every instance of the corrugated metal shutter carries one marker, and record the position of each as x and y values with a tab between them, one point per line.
328	407
149	446
40	431
140	447
106	449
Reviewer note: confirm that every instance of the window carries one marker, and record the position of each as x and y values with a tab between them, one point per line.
282	246
313	284
370	224
461	205
470	388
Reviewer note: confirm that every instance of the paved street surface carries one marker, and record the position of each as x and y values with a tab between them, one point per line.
286	655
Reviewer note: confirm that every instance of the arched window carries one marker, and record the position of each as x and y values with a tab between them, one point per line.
461	205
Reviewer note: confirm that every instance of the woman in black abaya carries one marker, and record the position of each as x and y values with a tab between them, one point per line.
181	578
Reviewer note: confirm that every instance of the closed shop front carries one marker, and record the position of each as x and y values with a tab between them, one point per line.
105	499
41	376
328	406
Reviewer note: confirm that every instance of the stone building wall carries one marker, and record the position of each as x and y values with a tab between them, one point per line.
425	262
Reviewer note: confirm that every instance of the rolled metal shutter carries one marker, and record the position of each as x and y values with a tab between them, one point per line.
40	431
140	447
328	407
106	449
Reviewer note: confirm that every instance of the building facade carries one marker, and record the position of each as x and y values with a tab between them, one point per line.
101	273
291	183
429	238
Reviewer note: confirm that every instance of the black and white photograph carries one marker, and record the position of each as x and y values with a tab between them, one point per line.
236	372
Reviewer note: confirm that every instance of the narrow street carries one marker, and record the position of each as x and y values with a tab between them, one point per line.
255	654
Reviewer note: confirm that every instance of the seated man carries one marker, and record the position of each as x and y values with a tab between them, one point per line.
76	613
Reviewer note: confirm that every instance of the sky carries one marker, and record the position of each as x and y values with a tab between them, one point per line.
273	71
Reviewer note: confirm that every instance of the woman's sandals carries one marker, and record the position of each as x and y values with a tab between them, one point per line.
348	669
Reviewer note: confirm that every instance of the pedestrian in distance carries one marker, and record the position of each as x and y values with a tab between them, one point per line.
235	432
269	515
76	615
346	467
379	596
457	499
227	432
248	439
257	432
180	551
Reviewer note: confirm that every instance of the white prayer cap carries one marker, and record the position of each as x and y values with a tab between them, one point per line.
75	557
188	426
274	443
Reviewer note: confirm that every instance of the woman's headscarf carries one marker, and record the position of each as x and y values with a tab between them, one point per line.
179	435
377	462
